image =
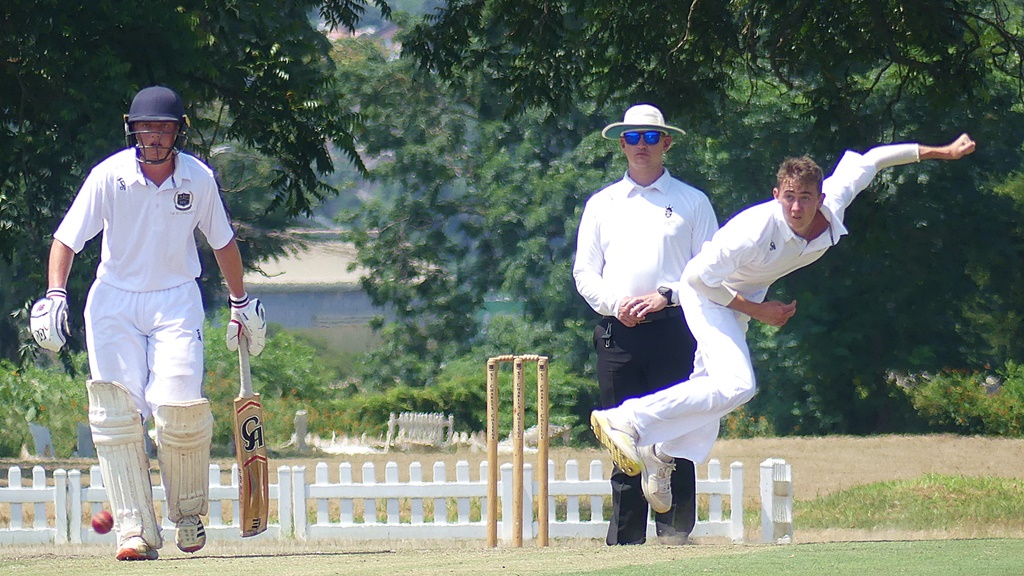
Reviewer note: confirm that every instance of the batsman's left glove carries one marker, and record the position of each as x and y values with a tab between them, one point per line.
49	320
247	317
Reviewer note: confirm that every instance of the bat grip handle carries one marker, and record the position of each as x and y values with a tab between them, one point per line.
244	376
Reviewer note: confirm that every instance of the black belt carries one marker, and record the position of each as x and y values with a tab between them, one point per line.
664	313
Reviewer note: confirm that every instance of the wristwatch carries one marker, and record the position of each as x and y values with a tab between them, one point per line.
666	292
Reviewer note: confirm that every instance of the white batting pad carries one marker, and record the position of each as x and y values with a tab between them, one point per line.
117	433
183	434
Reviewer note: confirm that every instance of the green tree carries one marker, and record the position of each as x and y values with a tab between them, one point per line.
459	221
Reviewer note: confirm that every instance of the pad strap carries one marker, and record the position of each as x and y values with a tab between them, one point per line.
117	433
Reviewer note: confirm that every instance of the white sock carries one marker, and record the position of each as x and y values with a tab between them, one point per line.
662	456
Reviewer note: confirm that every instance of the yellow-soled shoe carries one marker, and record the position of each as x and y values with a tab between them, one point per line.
619	437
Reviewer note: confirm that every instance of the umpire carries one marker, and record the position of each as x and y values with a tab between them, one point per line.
635	237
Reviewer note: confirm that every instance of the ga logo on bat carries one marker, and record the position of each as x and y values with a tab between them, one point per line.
252	433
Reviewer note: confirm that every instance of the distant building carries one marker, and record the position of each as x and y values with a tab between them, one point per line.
314	292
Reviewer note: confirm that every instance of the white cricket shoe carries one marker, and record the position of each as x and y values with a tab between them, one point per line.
619	436
135	548
656	479
190	535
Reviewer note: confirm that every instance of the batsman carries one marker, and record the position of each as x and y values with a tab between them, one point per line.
144	319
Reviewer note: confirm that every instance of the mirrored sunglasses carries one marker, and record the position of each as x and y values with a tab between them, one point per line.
650	137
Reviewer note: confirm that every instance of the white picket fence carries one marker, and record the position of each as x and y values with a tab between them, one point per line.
369	509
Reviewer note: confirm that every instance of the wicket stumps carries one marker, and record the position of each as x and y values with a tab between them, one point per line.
518	417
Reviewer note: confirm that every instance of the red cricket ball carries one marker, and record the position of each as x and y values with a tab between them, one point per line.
102	522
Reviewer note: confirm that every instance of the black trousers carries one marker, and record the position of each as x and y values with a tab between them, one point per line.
634	362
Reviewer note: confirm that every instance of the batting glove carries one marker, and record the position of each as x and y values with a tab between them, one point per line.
49	320
247	317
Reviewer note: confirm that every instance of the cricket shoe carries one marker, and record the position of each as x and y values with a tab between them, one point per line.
135	548
190	535
619	436
656	479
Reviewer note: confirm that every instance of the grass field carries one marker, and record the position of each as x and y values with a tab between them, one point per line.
931	505
981	557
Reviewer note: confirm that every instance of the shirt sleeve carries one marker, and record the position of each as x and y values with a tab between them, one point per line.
855	171
213	219
84	220
704	228
588	267
731	248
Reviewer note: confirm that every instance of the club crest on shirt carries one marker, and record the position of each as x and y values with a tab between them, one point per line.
183	201
668	211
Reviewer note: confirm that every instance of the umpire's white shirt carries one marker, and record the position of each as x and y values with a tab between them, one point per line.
148	234
635	238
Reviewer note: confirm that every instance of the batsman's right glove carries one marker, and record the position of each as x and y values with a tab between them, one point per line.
247	317
49	320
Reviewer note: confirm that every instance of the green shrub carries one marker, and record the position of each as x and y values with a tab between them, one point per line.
461	391
46	396
971	402
741	423
288	377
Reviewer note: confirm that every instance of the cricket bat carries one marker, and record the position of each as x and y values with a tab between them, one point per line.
251	451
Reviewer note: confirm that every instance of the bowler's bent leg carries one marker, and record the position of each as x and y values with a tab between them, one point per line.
703	400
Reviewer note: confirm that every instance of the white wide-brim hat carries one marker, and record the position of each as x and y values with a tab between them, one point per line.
640	117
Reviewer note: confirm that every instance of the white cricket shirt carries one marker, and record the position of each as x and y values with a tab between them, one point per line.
148	232
633	239
757	247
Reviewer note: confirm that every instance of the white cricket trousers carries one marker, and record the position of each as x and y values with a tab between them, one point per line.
684	418
149	342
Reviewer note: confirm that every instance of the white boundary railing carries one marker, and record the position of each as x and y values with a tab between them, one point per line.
370	509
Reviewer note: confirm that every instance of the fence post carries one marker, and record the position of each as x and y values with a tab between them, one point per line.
505	489
75	506
347	515
60	505
236	510
284	501
39	521
391	504
736	499
596	502
369	504
529	526
322	505
215	507
299	501
415	504
776	501
462	505
441	504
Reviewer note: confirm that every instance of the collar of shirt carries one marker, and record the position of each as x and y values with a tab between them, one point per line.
824	240
181	173
631	188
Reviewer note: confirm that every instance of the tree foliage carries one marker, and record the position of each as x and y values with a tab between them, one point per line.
255	77
481	209
560	52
